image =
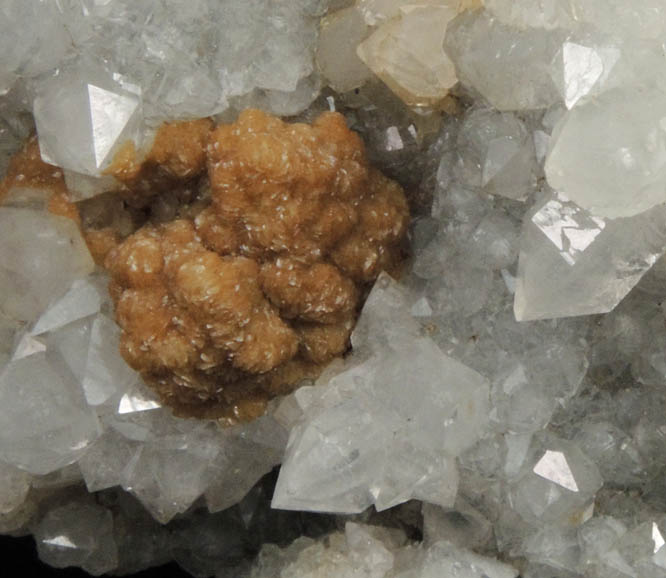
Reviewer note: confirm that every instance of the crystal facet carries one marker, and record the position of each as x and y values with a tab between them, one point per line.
564	269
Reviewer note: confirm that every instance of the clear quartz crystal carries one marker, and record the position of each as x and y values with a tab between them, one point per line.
564	249
430	423
78	535
46	420
497	153
508	66
617	169
83	115
36	269
557	484
84	298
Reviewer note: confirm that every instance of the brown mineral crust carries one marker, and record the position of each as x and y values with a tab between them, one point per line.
59	205
100	242
177	157
27	169
222	311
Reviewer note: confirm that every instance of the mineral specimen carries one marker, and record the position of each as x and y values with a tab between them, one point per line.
380	429
406	52
628	160
563	251
262	287
499	409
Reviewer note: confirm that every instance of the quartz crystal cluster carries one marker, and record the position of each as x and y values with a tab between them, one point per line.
500	407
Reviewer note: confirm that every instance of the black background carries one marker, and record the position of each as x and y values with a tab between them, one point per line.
18	559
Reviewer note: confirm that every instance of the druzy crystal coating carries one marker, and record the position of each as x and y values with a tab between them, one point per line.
501	409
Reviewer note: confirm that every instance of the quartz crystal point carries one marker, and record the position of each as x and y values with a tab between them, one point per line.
84	298
44	417
340	34
33	39
585	67
557	483
81	187
615	169
497	154
36	269
406	52
78	534
168	463
575	263
510	67
83	115
365	437
106	372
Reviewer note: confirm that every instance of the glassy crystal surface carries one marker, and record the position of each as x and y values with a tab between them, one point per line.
29	54
36	269
84	298
406	53
81	187
614	170
546	14
106	372
340	34
78	535
498	154
508	66
442	413
46	420
538	188
96	113
557	485
575	263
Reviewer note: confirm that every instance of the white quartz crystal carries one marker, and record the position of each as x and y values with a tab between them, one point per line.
565	267
442	413
546	14
78	535
41	255
613	169
340	34
84	116
373	552
43	414
497	153
557	483
36	52
84	298
81	187
106	372
263	44
508	66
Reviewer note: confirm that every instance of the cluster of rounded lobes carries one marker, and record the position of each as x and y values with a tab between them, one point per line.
242	296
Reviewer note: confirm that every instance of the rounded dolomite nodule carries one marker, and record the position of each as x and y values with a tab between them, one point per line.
238	301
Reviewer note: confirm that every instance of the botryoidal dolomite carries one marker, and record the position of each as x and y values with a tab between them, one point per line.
261	288
500	412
